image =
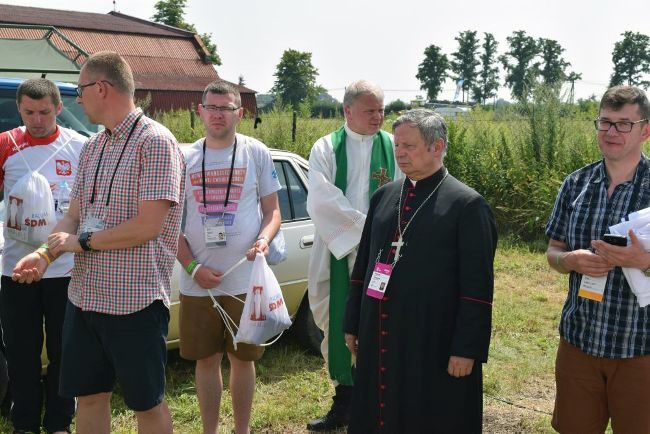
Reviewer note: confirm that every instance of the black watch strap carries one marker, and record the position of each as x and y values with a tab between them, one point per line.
84	240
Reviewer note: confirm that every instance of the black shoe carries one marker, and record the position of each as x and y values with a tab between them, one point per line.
331	421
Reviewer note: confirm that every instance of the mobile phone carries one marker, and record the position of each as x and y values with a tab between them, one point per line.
616	240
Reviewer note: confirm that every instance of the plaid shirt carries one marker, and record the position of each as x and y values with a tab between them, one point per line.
617	327
120	282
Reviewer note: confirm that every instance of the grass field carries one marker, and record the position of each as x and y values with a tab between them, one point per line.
292	385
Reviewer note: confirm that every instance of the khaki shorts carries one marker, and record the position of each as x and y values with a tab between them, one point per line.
591	390
203	332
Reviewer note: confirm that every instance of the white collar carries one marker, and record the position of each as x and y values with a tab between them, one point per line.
357	136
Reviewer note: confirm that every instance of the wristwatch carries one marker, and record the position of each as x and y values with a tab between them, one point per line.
84	241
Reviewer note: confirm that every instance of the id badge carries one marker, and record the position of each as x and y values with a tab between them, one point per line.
214	229
93	224
379	280
592	288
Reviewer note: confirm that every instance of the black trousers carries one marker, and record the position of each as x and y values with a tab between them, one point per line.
23	309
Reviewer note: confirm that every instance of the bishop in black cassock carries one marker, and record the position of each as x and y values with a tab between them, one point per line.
419	349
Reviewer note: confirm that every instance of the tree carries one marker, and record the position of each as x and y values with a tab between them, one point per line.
295	78
554	66
465	60
241	80
396	106
170	12
432	72
521	74
631	58
487	82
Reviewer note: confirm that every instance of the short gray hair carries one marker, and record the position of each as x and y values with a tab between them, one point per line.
431	125
361	87
222	87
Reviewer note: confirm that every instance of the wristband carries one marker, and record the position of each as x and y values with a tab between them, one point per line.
191	266
195	270
557	260
265	238
44	256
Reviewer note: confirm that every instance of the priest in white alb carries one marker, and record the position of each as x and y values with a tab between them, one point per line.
345	169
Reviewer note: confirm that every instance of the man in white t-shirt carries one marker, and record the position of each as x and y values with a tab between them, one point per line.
25	307
232	211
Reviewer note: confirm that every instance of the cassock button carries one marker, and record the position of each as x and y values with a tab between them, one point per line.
411	194
407	208
382	405
382	387
393	250
384	316
384	300
383	350
382	369
381	423
384	333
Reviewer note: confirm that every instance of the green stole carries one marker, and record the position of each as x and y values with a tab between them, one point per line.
382	171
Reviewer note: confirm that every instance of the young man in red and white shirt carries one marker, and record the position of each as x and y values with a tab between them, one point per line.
25	307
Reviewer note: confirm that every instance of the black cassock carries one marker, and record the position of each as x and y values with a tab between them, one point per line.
437	303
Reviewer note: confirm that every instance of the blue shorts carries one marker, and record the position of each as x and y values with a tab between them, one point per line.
100	349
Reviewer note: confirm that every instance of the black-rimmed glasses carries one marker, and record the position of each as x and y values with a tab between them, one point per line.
80	88
219	109
620	126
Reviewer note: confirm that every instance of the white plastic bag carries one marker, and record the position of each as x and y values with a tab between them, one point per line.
30	205
265	314
30	209
277	249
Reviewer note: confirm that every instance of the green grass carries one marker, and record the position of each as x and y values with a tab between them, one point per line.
293	387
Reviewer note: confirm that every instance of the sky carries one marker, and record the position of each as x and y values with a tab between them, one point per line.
384	41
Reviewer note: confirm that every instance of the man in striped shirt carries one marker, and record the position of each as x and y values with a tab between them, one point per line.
123	225
603	362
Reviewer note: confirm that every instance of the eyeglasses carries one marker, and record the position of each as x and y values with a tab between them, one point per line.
621	126
219	109
80	88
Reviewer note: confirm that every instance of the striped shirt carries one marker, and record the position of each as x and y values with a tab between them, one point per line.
617	327
152	167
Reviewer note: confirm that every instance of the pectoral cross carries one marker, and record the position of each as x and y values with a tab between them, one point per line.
398	244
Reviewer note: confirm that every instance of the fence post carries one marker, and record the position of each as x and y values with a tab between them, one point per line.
192	116
293	127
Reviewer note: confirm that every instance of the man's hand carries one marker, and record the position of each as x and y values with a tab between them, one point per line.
352	343
631	256
586	262
61	242
260	246
460	366
207	278
30	269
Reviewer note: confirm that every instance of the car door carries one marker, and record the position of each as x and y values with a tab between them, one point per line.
297	227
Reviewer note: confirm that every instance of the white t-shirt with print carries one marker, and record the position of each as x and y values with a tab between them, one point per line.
62	167
253	172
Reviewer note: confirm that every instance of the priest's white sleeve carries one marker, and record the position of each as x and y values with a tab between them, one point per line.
336	221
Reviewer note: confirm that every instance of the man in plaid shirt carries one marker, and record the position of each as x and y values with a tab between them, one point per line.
603	362
123	225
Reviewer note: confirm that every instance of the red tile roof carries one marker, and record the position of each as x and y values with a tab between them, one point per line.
111	22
